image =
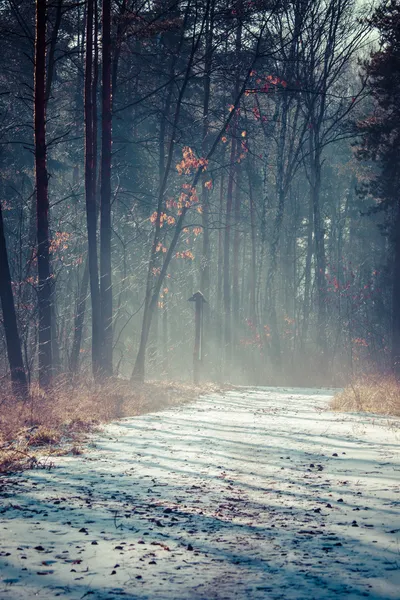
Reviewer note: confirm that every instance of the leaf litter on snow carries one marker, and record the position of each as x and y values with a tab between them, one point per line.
258	493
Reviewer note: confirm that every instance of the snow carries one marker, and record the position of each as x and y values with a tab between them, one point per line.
258	494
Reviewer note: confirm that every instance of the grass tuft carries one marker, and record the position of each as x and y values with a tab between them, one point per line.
42	436
59	421
379	395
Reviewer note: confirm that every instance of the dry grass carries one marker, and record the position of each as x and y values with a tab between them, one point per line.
59	421
379	395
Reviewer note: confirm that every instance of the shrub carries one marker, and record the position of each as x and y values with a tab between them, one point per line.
380	395
58	421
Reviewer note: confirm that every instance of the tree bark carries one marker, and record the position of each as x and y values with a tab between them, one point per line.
226	271
165	337
320	259
14	352
396	299
235	262
42	201
79	321
105	210
205	259
219	311
90	193
52	49
229	206
253	270
307	276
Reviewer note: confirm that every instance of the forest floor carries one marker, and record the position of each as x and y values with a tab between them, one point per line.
255	494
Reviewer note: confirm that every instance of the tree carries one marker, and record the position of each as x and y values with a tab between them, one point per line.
189	165
105	206
17	369
332	37
90	192
42	200
380	142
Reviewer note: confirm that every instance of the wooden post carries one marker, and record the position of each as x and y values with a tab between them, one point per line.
199	301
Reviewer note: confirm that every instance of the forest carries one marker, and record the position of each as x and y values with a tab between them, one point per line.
200	299
248	150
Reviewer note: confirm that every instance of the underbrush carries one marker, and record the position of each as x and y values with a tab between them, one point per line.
379	395
58	422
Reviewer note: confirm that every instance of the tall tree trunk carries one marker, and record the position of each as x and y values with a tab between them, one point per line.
320	260
235	262
396	299
42	200
51	67
226	271
165	112
14	352
253	271
229	206
152	290
275	347
165	337
55	338
205	259
281	174
105	211
52	49
90	189
219	311
307	276
79	321
121	27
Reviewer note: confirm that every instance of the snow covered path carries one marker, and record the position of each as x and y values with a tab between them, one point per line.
260	494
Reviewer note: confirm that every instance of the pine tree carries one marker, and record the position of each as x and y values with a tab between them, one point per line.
380	142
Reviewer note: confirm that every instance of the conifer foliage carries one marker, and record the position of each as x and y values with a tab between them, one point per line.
380	142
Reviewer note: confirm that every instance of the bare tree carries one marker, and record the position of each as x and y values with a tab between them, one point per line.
42	200
106	297
90	190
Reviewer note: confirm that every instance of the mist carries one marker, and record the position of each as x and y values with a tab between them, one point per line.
152	151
